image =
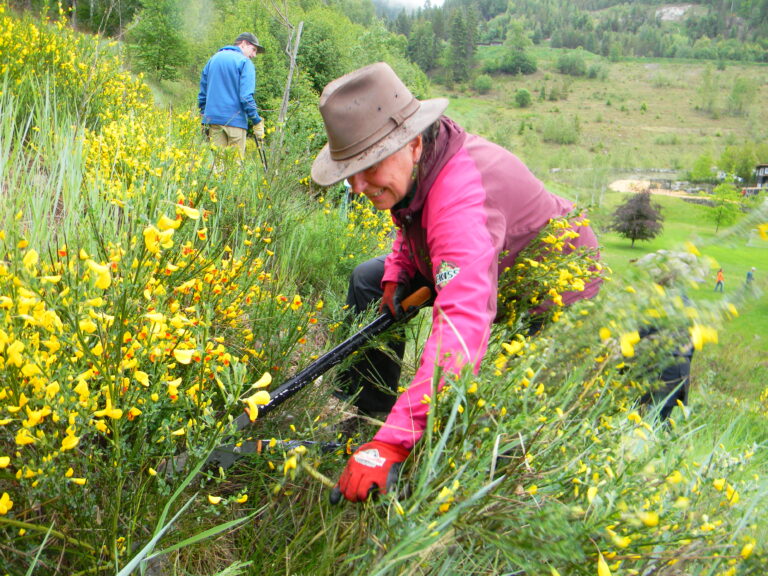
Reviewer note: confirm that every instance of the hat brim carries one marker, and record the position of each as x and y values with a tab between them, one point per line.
327	171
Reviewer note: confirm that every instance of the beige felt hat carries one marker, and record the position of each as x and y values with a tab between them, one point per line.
369	114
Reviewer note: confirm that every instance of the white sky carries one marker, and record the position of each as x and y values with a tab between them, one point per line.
411	3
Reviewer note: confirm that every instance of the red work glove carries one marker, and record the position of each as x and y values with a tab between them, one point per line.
392	299
373	468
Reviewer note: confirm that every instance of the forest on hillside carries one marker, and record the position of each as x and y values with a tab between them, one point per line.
435	38
448	35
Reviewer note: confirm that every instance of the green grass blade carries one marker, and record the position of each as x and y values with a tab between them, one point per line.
204	535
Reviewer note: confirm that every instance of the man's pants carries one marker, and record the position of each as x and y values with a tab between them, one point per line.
224	136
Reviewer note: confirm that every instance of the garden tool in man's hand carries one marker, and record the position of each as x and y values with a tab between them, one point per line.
258	130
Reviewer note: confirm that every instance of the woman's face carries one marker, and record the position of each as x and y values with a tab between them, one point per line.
387	182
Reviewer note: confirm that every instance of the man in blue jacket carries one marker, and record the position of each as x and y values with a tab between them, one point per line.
226	98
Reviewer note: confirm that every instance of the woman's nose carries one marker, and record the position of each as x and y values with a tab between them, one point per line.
357	181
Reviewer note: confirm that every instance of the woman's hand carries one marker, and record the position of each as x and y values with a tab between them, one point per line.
373	468
392	299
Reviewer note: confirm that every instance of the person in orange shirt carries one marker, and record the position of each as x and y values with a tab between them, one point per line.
720	283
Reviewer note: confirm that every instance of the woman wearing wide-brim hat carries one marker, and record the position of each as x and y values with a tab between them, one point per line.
464	208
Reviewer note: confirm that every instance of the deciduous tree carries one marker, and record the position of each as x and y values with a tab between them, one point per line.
726	205
638	218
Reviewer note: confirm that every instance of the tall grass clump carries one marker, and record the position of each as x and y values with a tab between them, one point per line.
560	130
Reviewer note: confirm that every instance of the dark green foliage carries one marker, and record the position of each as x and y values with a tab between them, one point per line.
358	11
572	63
513	62
518	62
462	47
155	42
523	98
423	46
620	29
110	17
322	56
638	218
403	24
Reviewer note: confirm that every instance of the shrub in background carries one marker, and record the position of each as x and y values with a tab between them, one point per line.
483	84
517	62
523	98
572	63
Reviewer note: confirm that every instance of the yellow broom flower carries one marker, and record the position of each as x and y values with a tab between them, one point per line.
628	341
165	223
602	566
253	402
184	356
5	503
191	213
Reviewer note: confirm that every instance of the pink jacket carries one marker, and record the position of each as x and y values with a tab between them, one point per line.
478	202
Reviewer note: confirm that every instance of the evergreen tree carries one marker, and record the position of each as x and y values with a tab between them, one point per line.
155	41
461	47
324	54
437	16
423	46
403	24
638	218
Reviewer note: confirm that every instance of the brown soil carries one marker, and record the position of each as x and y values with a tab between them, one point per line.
634	186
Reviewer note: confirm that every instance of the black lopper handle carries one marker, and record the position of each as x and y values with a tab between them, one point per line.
411	306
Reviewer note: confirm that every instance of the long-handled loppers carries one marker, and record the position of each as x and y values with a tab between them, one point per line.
227	454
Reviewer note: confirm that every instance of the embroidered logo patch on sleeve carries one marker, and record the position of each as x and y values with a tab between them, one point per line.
445	273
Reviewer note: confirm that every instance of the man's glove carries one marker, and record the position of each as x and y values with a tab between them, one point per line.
373	468
258	130
392	299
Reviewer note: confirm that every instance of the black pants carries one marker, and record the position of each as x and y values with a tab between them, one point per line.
673	385
373	379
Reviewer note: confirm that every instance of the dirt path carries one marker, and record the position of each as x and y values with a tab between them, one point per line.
634	186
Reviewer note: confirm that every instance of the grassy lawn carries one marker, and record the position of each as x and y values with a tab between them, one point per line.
642	114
